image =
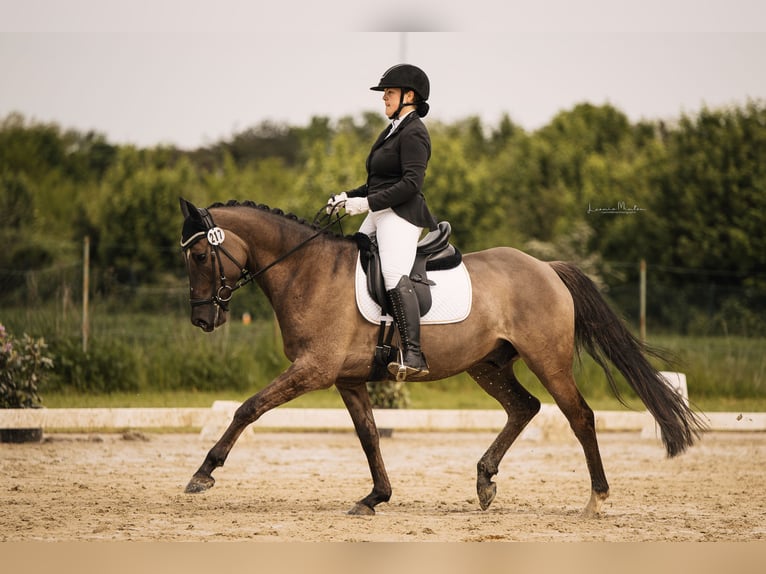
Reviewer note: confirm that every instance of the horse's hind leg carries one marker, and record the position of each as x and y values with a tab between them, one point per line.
357	401
561	385
501	383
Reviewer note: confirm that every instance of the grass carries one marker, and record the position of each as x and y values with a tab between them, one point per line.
178	399
456	393
175	366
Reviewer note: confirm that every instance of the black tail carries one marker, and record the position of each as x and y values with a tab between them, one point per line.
604	336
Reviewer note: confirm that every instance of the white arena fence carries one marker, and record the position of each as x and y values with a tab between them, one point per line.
210	422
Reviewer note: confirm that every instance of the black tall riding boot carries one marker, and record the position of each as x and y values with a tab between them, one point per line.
406	313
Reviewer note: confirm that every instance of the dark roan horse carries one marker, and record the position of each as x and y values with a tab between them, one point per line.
524	309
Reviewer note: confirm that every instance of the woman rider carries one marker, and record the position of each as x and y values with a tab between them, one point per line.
394	203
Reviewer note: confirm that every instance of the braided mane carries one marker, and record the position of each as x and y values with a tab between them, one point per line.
275	211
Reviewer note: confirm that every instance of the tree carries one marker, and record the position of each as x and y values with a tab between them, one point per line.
136	215
716	190
696	188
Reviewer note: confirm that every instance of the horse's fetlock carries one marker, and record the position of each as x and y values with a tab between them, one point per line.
382	495
487	469
212	461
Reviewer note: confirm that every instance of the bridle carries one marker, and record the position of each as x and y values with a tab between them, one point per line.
222	293
215	236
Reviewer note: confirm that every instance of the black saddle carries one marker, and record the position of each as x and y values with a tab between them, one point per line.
434	253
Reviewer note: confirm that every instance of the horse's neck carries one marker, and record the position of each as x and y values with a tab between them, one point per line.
268	236
293	252
300	286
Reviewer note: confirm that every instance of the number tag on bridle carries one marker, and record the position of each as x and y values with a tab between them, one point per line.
215	236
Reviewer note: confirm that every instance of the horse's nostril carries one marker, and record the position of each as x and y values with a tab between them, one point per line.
202	324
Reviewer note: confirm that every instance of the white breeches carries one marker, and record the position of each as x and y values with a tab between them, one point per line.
397	243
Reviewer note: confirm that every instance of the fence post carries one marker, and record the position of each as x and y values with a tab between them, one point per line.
85	290
642	302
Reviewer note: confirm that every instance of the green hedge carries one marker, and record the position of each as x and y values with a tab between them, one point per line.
133	353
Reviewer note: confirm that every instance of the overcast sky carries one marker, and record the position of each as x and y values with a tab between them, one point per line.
179	72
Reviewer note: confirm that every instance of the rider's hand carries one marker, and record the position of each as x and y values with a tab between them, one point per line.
357	205
333	202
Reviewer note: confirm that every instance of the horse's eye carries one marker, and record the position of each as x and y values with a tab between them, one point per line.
200	257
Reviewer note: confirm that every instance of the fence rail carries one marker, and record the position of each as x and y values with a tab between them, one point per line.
210	422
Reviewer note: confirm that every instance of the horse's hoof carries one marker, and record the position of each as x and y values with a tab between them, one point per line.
199	484
593	508
486	495
361	510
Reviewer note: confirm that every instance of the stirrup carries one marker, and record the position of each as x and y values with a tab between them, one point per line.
397	368
401	371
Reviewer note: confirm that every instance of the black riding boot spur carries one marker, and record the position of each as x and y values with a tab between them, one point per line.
406	313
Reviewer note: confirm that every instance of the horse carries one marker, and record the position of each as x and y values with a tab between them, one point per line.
523	309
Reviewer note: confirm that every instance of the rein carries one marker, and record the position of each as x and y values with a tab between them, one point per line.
215	237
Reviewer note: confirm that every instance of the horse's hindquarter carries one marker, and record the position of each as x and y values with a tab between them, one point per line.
516	298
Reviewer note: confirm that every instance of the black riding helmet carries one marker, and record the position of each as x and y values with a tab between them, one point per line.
407	77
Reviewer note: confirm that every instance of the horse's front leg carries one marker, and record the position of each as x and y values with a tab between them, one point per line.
357	401
294	382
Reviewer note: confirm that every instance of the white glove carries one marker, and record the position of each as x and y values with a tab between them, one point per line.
333	202
357	205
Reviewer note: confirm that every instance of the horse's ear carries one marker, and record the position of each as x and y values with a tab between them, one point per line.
187	208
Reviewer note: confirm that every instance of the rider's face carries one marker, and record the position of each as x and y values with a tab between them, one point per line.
391	97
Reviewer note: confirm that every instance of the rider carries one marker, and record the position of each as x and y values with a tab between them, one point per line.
395	206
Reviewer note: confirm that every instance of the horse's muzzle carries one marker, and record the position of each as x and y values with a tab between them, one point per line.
208	317
203	324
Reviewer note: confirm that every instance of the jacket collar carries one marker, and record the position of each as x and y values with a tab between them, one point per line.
399	121
404	121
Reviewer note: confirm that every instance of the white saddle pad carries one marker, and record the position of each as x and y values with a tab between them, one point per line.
451	297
